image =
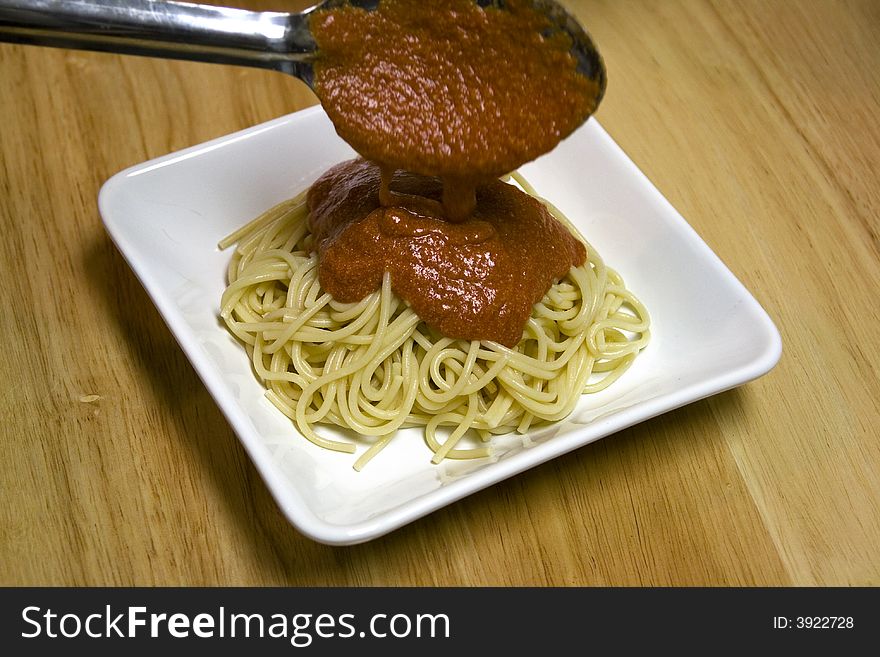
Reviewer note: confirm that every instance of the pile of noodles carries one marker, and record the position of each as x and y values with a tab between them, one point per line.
374	367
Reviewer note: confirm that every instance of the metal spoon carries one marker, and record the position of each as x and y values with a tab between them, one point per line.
176	30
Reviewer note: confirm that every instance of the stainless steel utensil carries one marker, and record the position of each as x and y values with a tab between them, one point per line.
177	30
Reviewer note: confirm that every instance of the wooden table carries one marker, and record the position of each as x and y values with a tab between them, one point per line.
757	119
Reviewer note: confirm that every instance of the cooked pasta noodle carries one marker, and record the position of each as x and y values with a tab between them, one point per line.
373	367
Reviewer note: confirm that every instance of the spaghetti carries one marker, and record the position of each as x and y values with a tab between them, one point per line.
374	367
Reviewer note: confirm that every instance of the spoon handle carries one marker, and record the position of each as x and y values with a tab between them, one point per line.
173	30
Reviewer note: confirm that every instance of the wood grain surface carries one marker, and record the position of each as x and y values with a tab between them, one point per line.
757	119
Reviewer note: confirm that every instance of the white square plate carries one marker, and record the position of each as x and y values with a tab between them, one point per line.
167	215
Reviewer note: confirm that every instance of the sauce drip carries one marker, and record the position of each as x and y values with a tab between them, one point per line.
447	88
475	280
